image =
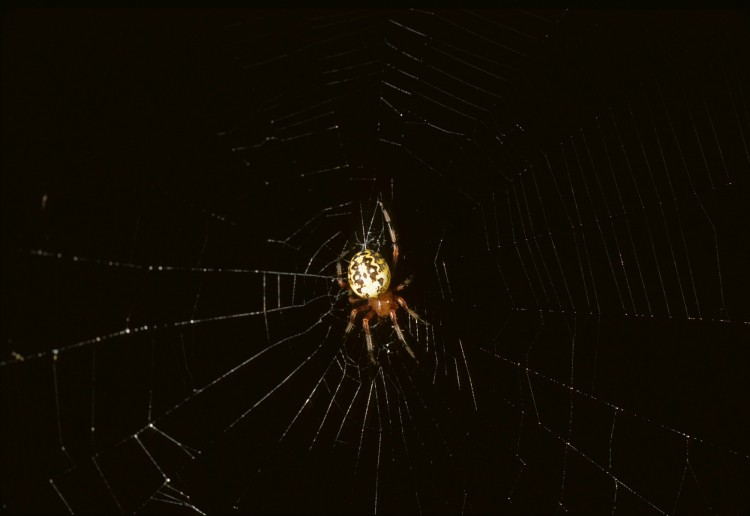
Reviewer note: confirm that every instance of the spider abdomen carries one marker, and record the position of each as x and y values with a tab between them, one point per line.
369	274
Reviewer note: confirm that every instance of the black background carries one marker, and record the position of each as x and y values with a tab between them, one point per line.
123	136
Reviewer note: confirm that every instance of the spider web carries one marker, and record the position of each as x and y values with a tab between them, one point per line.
569	191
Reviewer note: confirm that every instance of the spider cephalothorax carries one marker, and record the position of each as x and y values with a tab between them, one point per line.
369	278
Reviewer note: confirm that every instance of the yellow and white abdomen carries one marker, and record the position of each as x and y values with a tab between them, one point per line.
369	274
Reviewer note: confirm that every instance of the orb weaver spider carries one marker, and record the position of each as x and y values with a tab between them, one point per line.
369	278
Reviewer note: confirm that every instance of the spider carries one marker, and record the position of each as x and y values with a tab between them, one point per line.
369	280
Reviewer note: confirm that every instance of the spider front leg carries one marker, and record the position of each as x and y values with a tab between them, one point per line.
353	316
400	334
368	337
401	301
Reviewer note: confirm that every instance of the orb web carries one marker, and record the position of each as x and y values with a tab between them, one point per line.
569	194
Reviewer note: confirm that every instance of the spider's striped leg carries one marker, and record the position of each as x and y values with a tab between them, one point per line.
353	315
400	334
404	283
339	271
401	301
368	337
394	240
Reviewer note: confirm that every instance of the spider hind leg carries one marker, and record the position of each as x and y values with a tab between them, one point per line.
339	271
392	232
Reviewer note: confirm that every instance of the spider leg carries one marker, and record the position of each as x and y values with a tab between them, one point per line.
404	283
368	337
400	334
339	271
352	316
401	301
394	240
